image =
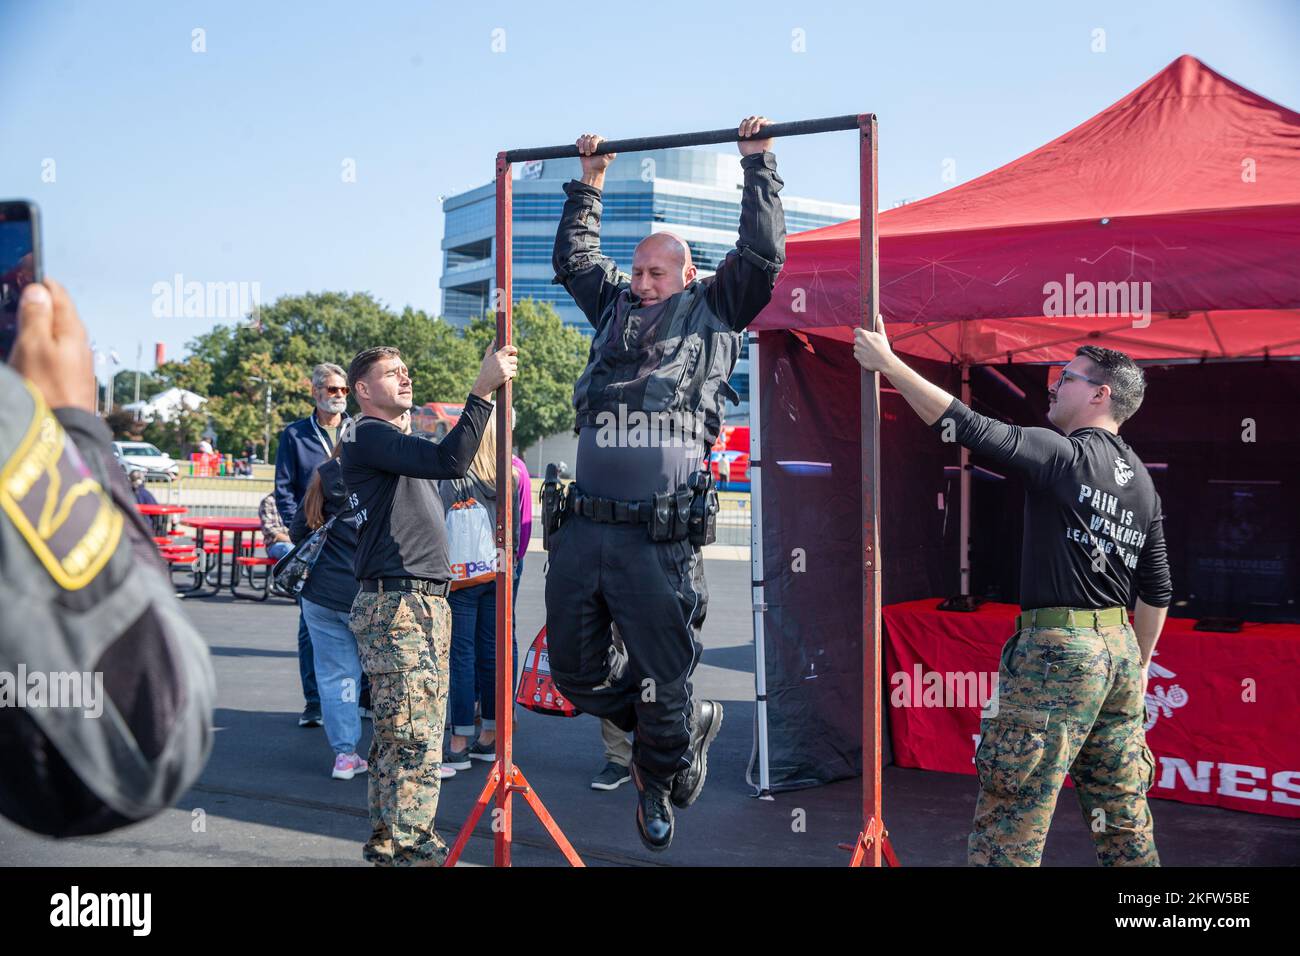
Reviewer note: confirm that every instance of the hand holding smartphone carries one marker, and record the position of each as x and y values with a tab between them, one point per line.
20	264
41	336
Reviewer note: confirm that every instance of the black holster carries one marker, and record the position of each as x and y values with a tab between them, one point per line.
554	502
703	509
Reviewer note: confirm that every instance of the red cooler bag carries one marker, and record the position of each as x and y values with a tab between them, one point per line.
536	689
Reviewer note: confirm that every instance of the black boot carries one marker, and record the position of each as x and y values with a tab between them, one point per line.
689	782
654	812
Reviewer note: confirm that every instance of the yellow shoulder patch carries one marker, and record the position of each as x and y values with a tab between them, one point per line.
56	504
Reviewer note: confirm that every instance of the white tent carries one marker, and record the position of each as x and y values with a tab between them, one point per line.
166	405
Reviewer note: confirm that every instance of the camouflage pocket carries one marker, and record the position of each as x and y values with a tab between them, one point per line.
363	609
1011	747
397	636
1149	759
403	703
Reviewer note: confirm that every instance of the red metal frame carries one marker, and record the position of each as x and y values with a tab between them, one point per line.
506	779
873	840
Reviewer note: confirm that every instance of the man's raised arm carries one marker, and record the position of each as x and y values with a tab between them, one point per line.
590	277
872	351
1039	453
743	284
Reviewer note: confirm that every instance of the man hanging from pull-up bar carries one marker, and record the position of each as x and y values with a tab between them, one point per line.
649	406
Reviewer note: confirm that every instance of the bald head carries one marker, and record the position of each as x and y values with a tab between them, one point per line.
661	267
664	244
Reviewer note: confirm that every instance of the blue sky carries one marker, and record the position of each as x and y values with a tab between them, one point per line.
226	165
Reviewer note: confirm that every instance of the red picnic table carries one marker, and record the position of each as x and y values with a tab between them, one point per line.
155	510
159	514
237	528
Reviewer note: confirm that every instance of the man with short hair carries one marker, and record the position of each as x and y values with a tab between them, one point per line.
1072	681
639	511
400	616
303	446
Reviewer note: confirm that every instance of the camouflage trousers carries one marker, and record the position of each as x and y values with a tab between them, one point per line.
404	641
1069	701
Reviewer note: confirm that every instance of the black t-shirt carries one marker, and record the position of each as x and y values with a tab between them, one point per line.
1093	524
394	478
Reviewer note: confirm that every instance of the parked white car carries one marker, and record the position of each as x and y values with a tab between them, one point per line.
144	456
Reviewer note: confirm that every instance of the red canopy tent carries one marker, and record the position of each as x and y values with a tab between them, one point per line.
1190	183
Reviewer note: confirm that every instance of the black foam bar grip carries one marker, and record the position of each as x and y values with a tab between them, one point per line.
728	135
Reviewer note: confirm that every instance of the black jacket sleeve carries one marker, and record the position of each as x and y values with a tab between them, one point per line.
387	449
742	286
1154	585
591	278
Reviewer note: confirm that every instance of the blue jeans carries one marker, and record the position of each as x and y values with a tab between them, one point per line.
278	549
473	657
338	666
306	666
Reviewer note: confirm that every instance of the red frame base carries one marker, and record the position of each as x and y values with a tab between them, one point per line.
504	786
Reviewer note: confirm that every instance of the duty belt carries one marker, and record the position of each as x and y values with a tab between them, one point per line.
1072	617
611	510
417	585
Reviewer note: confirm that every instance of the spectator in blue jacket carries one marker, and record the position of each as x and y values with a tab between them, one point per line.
304	446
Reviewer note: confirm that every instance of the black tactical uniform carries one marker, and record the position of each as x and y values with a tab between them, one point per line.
672	360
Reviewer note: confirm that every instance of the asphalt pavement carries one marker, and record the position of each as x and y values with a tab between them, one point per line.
267	798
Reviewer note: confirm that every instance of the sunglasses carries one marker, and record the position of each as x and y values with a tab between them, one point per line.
1066	375
337	389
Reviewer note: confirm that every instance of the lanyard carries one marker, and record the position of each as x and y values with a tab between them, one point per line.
324	436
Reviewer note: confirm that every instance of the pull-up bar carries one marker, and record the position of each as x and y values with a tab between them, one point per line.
872	846
710	137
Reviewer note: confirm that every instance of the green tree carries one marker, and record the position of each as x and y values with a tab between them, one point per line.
551	357
124	425
124	387
234	365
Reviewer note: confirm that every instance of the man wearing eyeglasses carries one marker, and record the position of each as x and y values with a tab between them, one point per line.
304	445
1072	681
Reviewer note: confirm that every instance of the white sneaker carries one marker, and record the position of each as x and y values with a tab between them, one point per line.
347	766
444	772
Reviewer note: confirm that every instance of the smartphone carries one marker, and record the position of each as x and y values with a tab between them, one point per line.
20	263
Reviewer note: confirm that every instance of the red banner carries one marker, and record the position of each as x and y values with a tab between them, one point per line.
1221	708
